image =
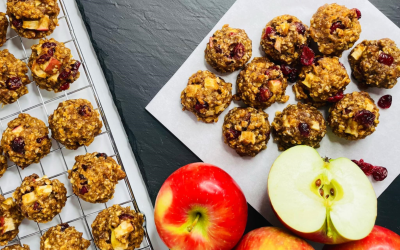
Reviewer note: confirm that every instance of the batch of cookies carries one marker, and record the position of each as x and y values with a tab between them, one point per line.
74	124
320	80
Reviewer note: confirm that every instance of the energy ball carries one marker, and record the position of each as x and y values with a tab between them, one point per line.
52	65
26	140
322	82
94	177
10	218
376	63
335	28
13	78
354	117
17	247
118	228
3	163
3	28
283	37
300	124
75	123
65	237
206	96
261	83
33	19
228	50
246	130
40	199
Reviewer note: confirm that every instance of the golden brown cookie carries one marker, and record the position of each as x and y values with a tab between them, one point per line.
17	247
10	219
3	28
65	237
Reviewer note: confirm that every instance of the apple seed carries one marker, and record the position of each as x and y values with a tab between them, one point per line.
318	182
327	196
321	192
332	191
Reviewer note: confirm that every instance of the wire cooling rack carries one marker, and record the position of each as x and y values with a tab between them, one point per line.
40	104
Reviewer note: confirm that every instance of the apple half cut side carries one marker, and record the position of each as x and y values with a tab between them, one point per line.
323	200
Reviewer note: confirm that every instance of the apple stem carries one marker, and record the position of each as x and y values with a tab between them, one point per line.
190	228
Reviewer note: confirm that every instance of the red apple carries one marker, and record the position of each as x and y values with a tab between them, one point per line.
51	65
272	238
379	239
200	207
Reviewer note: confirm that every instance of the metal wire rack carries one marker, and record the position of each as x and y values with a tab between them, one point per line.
83	215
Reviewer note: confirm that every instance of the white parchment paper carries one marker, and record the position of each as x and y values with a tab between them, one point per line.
206	140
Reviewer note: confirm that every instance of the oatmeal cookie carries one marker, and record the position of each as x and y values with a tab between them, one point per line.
75	123
33	19
354	117
94	177
3	28
52	65
17	247
323	81
40	199
246	130
13	78
65	237
3	163
376	63
261	83
10	219
26	140
206	96
283	37
229	49
335	28
118	228
299	124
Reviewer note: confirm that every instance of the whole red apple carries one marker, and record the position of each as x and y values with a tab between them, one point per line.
272	238
200	207
379	239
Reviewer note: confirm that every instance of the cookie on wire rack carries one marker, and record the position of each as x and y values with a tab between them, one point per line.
10	218
3	28
17	247
63	236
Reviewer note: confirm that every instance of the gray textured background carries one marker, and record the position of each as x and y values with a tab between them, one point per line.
140	45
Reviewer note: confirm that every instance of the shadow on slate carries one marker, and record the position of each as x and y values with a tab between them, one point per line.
140	45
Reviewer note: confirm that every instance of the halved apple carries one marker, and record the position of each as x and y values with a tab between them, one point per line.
323	200
51	65
30	24
44	23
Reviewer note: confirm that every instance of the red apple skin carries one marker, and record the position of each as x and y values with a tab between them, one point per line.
204	189
379	239
272	238
52	64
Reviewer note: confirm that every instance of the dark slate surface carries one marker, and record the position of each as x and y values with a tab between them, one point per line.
140	45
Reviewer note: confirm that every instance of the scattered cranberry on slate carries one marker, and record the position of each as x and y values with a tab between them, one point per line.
385	59
200	106
14	83
337	25
268	32
300	28
385	102
101	155
339	95
39	140
83	190
64	74
18	145
304	129
65	86
43	58
365	117
380	173
126	217
232	134
64	226
358	13
238	51
17	23
84	110
307	56
49	45
264	95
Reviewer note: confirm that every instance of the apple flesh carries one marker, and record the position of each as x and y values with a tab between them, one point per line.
53	63
30	25
44	23
272	238
379	238
200	207
327	201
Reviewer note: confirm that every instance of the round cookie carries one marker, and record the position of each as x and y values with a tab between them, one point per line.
335	28
118	228
94	177
3	163
299	124
229	49
3	28
322	82
33	19
246	130
10	219
40	199
52	65
26	140
17	247
261	83
63	236
376	63
283	37
75	123
206	96
354	117
13	78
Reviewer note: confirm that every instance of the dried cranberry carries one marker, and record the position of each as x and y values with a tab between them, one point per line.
385	102
385	59
43	58
358	13
84	110
300	28
365	117
82	177
64	74
200	106
18	145
50	52
218	49
339	95
264	95
268	32
304	129
286	69
83	190
367	168
65	86
307	56
64	226
17	23
37	207
293	76
85	167
75	67
232	134
126	217
380	173
49	45
14	83
290	72
101	155
337	25
39	140
238	51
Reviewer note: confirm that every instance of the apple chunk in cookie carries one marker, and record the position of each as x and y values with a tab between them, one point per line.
10	219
